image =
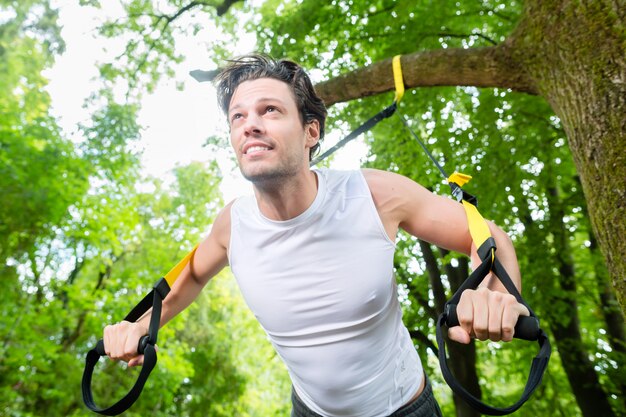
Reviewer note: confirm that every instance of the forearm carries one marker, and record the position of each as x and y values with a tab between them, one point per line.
183	292
208	260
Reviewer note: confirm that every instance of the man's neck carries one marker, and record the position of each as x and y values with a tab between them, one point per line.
287	199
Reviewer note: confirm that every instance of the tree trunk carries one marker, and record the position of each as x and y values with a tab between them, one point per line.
613	317
575	360
574	52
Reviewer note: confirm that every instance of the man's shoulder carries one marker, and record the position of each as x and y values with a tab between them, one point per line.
379	180
221	226
332	173
393	190
342	179
386	179
374	179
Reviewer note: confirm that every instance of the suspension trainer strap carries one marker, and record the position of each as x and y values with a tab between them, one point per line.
374	120
527	327
368	125
398	80
153	300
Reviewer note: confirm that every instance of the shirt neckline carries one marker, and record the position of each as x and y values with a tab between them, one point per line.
306	214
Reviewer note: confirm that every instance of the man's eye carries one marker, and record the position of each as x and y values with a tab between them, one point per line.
236	116
271	109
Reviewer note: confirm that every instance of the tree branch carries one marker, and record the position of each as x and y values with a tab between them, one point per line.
223	8
423	301
478	67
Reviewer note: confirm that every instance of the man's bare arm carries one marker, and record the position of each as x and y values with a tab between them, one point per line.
121	339
489	312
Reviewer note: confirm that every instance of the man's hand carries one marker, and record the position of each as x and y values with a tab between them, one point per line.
486	314
121	341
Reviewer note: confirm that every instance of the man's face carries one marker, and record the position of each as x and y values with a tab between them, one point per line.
266	131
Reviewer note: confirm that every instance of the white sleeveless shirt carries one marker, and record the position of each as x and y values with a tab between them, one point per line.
322	287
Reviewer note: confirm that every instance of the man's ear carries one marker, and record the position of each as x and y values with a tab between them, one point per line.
312	131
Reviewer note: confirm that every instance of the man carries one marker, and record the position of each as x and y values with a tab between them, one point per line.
312	252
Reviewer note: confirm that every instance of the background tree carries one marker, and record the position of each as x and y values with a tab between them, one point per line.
28	42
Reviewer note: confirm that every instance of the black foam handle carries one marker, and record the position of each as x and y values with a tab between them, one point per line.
100	348
526	328
145	346
141	346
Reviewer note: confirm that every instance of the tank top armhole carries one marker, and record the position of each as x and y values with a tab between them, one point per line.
234	221
373	209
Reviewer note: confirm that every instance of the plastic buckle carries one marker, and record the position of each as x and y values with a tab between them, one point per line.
457	191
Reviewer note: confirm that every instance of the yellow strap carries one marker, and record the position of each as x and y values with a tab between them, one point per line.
459	178
477	226
171	276
397	78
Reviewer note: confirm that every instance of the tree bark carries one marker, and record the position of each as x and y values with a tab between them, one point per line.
574	51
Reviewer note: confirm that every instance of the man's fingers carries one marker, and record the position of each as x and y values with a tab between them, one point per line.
131	345
136	361
509	319
121	341
106	339
497	304
487	315
510	315
458	334
465	312
474	313
523	310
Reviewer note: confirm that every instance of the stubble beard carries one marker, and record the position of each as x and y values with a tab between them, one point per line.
272	176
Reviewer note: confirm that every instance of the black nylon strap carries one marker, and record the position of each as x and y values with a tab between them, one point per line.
154	300
530	324
538	367
369	124
150	359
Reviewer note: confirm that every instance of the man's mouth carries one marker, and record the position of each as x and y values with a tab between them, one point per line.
256	149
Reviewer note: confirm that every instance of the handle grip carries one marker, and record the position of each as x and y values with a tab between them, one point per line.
526	328
145	346
141	346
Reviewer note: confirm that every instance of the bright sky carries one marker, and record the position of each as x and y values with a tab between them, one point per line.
176	123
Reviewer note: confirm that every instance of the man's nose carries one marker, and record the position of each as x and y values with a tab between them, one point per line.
253	124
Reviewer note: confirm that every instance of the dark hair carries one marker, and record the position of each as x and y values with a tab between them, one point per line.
255	66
